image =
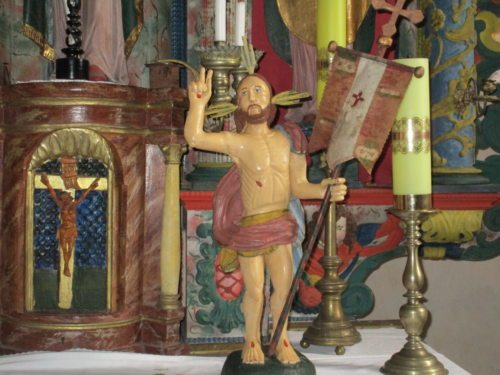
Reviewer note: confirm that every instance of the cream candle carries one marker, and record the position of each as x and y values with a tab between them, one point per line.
240	22
220	20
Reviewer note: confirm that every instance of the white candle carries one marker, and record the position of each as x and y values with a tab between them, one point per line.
240	22
220	20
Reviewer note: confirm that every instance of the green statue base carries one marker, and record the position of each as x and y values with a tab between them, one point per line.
271	366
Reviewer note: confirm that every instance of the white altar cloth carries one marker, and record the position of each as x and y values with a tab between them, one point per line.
375	348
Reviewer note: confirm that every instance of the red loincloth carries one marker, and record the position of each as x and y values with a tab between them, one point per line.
228	210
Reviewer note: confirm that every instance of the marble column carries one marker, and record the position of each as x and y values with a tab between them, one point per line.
449	42
170	248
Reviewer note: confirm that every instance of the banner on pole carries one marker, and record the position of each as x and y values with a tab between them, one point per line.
359	106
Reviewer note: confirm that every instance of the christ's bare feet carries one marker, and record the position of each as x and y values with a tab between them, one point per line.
286	353
252	353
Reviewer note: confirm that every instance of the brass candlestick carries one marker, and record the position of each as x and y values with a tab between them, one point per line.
331	328
221	58
413	358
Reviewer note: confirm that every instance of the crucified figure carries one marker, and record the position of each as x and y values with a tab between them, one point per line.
67	231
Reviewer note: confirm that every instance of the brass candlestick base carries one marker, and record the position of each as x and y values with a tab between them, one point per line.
413	358
331	328
221	59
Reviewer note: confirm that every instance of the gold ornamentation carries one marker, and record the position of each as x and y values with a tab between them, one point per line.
173	153
84	101
36	36
86	326
47	51
324	58
69	142
438	161
170	301
413	202
81	142
385	41
447	108
464	34
434	252
134	34
490	36
411	135
452	226
356	12
465	170
44	128
299	17
70	326
438	19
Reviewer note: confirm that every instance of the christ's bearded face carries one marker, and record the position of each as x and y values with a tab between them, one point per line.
254	99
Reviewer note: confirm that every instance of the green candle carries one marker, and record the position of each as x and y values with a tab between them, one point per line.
331	26
411	138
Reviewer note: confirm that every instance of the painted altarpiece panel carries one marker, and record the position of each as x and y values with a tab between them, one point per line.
367	237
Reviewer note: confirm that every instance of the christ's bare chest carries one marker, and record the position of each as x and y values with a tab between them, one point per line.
266	153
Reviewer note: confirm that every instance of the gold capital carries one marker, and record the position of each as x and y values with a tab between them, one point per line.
173	153
170	301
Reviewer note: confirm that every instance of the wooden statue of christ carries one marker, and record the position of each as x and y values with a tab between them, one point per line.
269	174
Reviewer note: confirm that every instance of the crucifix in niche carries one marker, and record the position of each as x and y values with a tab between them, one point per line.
67	230
70	235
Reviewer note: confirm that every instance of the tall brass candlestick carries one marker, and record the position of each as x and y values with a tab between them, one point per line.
413	358
331	328
412	188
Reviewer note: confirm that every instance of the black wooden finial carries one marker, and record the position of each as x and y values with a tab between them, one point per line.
73	66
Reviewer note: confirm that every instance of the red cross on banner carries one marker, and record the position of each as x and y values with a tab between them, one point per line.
357	98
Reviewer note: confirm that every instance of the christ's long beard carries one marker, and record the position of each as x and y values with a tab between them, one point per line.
242	118
257	118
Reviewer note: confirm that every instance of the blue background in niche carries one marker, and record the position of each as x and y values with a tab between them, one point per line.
90	271
90	247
